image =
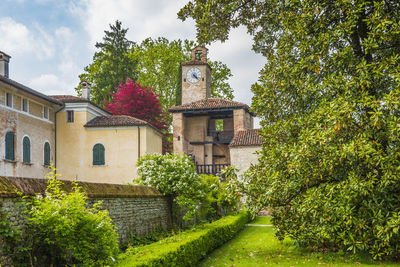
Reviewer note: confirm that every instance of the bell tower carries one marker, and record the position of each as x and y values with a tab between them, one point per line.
196	76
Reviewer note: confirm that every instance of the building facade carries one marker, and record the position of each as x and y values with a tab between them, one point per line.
204	127
83	141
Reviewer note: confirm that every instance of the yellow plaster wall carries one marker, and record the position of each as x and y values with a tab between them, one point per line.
153	141
75	144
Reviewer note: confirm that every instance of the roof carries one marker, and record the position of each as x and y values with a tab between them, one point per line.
195	62
209	104
249	137
116	121
29	90
75	99
1	52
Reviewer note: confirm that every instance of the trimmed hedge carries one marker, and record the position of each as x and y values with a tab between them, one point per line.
186	248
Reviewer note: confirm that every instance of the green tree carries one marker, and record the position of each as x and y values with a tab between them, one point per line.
329	99
111	65
158	67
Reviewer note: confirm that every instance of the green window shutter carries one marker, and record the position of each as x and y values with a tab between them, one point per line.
10	155
26	150
46	154
98	154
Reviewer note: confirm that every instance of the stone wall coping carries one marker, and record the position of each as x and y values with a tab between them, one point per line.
17	186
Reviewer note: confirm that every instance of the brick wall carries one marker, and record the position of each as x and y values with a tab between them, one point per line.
134	209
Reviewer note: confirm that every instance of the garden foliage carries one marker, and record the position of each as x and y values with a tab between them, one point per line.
64	231
173	175
197	197
329	100
186	248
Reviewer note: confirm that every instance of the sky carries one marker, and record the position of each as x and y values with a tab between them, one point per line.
51	41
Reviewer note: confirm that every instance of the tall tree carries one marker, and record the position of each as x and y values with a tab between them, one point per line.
111	64
329	99
158	66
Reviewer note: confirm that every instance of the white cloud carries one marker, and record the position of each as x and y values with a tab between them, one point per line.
151	18
51	84
18	39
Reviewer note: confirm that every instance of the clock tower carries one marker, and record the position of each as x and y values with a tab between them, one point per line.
196	77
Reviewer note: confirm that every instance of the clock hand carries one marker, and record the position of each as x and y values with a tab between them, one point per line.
195	76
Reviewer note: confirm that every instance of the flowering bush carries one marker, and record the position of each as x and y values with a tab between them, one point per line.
173	175
63	231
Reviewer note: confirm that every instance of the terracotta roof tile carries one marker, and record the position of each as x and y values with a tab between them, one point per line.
115	120
249	137
208	104
69	98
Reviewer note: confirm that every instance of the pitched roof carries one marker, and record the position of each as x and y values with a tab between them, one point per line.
69	98
75	99
115	120
29	90
249	137
209	104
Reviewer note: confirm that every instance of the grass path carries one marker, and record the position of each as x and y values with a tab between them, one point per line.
256	246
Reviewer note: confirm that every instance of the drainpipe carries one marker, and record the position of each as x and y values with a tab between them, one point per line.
138	142
55	135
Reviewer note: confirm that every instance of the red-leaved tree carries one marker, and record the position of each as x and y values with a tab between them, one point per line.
140	102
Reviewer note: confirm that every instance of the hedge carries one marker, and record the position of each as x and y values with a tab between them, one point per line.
186	248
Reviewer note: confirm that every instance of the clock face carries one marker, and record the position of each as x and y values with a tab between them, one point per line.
193	75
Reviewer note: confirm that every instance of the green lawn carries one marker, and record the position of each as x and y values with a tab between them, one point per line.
257	246
262	220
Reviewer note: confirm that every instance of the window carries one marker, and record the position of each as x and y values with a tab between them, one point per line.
219	125
24	104
10	146
26	150
98	154
70	116
9	99
46	154
45	112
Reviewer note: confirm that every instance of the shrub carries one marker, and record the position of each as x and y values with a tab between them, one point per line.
218	197
64	231
187	248
173	175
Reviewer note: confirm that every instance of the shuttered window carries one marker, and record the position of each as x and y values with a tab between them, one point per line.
10	155
98	154
26	150
70	116
9	100
46	153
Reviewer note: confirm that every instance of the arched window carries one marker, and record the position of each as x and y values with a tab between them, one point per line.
46	154
26	150
10	155
98	154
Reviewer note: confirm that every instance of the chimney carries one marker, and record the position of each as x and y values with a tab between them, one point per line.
85	90
4	60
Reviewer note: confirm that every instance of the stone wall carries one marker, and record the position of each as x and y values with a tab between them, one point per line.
136	210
